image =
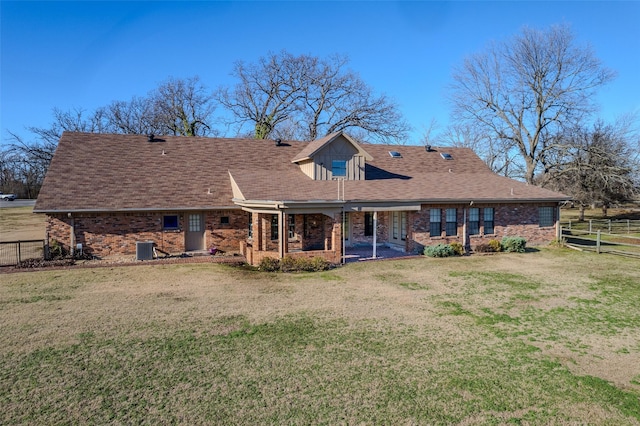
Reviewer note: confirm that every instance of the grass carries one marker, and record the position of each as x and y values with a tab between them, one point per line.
19	223
549	337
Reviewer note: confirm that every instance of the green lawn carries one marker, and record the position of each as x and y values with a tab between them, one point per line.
547	337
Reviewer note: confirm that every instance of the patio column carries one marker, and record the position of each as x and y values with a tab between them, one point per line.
375	234
282	237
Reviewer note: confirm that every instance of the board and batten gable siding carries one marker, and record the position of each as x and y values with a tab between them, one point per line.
340	149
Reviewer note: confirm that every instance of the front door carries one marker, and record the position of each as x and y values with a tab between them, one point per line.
194	238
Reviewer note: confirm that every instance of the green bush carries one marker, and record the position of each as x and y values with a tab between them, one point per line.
440	250
458	248
513	244
495	245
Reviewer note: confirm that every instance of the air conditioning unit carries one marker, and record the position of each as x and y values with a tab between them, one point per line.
144	250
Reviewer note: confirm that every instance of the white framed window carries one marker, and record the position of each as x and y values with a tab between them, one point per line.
488	220
451	227
339	168
474	221
435	227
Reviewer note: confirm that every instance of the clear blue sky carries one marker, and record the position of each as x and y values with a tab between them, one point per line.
86	54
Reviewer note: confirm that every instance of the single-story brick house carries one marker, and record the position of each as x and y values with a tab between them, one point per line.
273	198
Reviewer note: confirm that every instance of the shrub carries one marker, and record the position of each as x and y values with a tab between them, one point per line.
483	248
440	250
458	248
495	245
293	264
320	264
513	244
288	264
269	264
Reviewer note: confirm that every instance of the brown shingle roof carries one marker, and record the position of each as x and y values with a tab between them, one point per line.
103	172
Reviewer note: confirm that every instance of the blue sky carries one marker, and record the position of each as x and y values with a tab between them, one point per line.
78	54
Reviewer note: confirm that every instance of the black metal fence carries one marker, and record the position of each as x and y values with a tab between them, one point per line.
14	252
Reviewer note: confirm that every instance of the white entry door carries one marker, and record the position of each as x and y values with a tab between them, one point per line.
194	238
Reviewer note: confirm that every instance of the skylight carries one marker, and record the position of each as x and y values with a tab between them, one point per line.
446	156
395	154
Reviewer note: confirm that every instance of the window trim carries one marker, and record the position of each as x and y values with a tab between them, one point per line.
339	165
474	221
486	220
433	222
549	216
448	223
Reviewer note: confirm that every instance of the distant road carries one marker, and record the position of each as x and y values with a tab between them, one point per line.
17	203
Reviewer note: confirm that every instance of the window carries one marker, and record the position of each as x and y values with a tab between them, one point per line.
403	226
339	168
291	226
170	222
195	223
434	225
395	154
224	220
274	226
488	220
346	219
395	225
250	225
368	224
546	216
474	221
446	156
452	222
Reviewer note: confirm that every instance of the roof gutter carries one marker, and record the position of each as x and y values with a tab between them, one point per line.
133	210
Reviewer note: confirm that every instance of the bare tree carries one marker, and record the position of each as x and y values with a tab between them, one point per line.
181	107
526	89
309	97
494	151
266	93
598	165
132	117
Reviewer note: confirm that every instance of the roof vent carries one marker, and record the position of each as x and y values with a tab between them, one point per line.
428	148
150	137
395	154
278	142
446	156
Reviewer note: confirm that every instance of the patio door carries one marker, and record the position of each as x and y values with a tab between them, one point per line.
194	238
398	234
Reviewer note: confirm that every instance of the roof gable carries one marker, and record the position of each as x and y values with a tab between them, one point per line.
315	147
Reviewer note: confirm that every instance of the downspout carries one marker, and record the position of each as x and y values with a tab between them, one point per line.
464	228
281	234
558	226
72	233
